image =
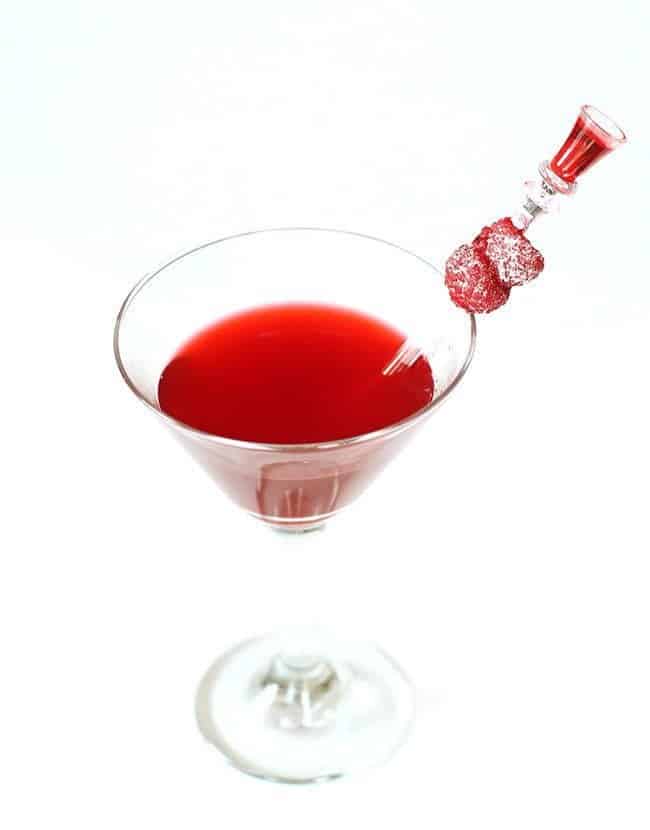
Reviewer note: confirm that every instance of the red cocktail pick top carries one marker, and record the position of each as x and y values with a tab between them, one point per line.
593	136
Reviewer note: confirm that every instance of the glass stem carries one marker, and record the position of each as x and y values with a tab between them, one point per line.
305	689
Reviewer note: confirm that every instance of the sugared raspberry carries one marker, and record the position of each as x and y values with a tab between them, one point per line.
473	281
505	245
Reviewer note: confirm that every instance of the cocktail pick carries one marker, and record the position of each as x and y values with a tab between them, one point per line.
480	275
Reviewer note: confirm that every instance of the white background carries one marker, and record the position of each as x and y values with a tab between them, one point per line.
503	558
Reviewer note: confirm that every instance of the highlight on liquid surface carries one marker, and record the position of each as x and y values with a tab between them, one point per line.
292	374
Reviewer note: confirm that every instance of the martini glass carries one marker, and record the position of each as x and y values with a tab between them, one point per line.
304	706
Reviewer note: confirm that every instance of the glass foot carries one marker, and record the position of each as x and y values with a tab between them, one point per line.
299	716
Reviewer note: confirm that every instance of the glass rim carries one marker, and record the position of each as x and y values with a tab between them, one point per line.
604	124
390	429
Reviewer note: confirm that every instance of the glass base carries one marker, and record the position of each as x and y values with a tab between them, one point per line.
294	525
295	717
298	529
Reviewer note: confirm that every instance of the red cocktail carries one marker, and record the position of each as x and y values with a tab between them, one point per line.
265	355
264	352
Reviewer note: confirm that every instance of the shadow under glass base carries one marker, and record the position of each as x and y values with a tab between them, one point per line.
301	717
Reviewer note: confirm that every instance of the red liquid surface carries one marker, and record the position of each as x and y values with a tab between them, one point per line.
292	374
584	146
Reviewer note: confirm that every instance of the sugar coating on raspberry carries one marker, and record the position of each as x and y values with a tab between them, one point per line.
473	281
506	246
